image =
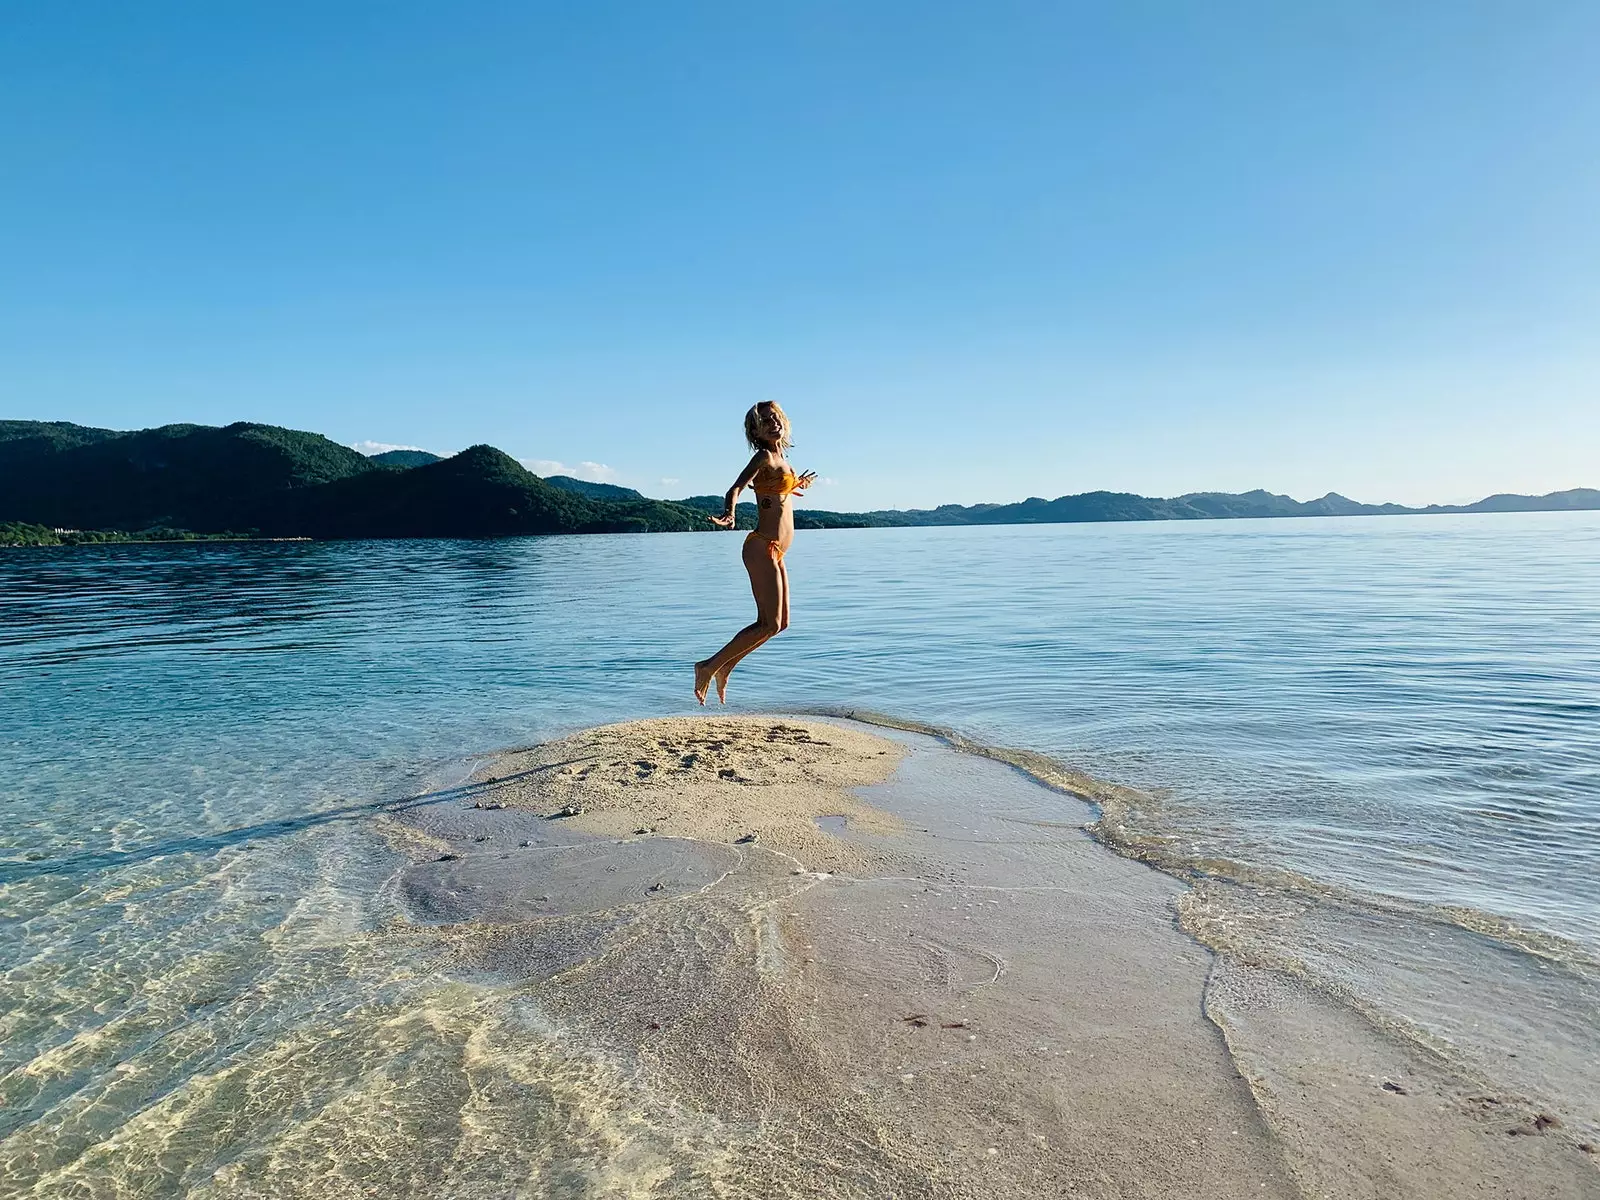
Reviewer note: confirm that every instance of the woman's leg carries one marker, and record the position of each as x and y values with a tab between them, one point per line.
783	596
727	667
764	583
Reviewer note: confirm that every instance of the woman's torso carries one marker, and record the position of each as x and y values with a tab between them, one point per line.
774	489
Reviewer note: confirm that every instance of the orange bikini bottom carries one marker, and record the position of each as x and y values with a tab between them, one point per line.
774	547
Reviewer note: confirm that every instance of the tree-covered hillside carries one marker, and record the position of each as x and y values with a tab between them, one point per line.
15	534
404	458
19	439
185	476
595	491
481	492
287	483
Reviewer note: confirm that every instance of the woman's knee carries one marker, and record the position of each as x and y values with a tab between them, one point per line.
783	623
769	626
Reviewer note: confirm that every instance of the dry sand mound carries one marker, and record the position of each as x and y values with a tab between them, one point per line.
717	779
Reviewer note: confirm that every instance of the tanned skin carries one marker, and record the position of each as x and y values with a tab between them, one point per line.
769	578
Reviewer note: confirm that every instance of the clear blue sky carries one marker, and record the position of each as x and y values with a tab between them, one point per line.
979	252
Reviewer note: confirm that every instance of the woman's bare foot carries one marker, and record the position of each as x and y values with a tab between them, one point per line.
722	683
702	680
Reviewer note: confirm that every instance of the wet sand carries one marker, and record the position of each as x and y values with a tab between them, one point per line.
827	960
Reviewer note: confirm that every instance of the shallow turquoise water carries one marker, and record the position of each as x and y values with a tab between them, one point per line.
1405	705
195	737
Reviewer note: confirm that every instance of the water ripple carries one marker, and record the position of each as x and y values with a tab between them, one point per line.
1404	705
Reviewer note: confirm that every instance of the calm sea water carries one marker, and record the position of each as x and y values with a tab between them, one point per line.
193	735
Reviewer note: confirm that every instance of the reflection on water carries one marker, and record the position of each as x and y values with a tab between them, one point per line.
193	736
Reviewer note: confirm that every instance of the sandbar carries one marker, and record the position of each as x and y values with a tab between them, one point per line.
827	959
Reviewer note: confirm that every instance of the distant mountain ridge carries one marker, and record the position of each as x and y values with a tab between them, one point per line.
269	481
405	458
194	477
1196	506
595	491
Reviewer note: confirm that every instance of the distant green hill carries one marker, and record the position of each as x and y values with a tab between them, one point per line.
481	492
285	483
184	476
1196	506
1572	499
595	491
404	458
567	483
21	438
15	534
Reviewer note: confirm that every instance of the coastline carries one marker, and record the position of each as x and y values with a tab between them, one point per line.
197	539
809	520
920	979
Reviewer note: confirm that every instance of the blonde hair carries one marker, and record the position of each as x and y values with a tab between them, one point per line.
753	415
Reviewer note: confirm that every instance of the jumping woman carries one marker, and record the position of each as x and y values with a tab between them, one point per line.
768	475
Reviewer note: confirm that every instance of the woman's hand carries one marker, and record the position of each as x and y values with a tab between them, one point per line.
805	481
725	521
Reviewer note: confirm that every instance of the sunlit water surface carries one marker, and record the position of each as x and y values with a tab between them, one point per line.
193	737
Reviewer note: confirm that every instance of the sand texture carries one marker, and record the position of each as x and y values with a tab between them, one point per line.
796	957
714	780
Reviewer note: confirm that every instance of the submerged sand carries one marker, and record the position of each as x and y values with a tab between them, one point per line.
796	957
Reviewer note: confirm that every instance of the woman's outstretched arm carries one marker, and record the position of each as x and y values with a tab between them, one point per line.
757	461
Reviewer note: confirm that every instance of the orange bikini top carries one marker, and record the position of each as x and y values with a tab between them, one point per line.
788	483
